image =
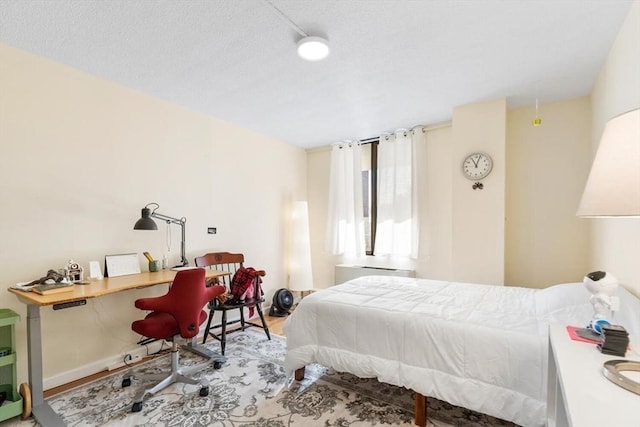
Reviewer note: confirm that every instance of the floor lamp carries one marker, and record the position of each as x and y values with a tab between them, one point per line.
300	271
147	223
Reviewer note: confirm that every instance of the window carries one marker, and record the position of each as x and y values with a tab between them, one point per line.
390	194
373	197
369	192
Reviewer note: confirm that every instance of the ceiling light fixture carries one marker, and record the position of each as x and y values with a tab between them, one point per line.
311	48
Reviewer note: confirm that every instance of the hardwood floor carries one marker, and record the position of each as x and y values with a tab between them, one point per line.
274	324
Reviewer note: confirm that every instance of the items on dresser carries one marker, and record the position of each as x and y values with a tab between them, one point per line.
614	340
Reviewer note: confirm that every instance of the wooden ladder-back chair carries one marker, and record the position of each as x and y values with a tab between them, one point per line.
225	261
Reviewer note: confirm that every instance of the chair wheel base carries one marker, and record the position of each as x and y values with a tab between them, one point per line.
204	391
137	407
126	382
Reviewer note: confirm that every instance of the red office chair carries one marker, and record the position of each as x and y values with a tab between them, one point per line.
176	316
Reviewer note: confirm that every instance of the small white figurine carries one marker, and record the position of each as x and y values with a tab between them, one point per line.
602	286
74	271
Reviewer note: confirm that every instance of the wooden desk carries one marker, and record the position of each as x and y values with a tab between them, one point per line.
41	410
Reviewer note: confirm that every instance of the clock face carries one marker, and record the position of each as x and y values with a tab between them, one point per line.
477	166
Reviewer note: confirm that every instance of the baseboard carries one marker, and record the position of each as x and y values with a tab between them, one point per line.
97	366
106	363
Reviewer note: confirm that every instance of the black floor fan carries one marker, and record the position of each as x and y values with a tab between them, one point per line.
282	302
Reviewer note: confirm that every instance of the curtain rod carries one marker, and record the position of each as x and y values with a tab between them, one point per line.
370	140
424	129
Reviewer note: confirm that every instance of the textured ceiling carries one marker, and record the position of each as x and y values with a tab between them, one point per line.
393	63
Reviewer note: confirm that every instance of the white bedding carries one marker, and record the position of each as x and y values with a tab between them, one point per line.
477	346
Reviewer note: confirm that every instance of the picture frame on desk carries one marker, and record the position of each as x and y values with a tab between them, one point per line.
121	265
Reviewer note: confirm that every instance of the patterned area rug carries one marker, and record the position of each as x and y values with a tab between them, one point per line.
252	389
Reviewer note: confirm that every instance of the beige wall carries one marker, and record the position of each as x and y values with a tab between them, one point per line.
436	206
615	243
547	167
81	157
318	161
478	215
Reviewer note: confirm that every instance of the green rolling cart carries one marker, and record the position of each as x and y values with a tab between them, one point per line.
11	399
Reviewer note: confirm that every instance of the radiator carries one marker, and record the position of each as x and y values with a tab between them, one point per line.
347	272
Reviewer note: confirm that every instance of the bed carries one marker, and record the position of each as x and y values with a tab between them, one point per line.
477	346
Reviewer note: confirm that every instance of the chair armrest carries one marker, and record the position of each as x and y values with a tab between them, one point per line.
153	303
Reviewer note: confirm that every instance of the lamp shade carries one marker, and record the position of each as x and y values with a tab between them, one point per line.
145	222
313	48
613	186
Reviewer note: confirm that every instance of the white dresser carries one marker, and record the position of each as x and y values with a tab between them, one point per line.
578	394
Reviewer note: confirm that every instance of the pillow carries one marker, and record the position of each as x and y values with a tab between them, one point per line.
559	297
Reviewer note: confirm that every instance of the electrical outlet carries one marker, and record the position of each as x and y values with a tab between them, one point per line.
128	358
212	230
133	358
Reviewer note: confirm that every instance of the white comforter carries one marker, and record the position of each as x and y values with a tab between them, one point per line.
477	346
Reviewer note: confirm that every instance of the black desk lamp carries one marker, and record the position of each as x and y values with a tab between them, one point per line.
147	223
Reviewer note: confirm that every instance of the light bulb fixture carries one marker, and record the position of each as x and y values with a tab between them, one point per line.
313	48
310	48
537	121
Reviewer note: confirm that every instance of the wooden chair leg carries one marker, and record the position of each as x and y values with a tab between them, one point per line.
206	331
420	413
223	332
242	318
264	324
299	374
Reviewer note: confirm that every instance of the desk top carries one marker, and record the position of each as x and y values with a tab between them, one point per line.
106	286
590	398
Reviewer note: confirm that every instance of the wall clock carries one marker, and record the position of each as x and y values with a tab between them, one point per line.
477	166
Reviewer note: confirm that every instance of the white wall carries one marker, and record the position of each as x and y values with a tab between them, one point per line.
81	157
615	245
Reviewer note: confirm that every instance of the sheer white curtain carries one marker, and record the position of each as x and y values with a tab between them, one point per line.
397	227
345	225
